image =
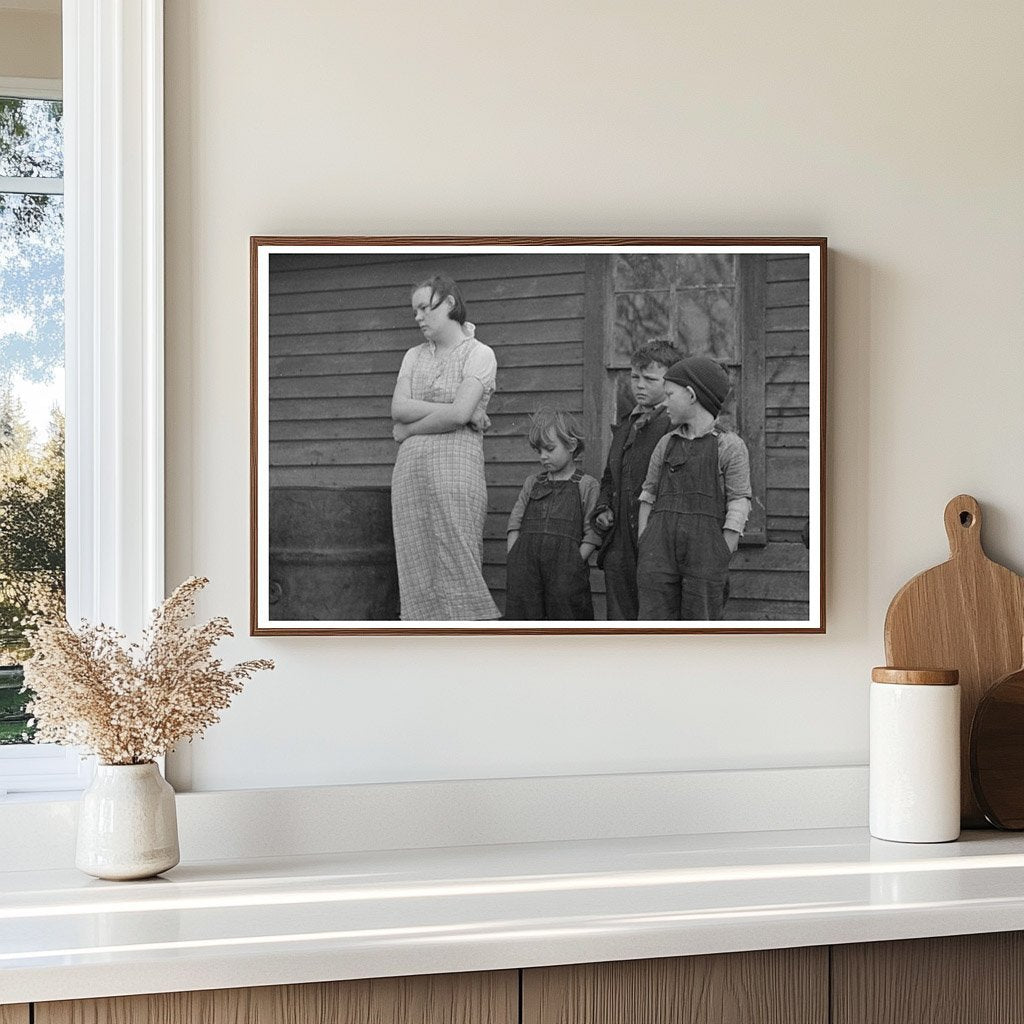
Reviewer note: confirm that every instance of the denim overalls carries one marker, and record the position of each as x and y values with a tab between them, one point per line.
547	579
684	559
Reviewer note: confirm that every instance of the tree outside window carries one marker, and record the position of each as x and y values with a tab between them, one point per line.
32	543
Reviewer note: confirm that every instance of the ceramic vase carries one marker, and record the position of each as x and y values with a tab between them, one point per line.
127	825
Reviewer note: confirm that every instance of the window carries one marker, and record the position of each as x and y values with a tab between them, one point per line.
32	534
113	222
31	380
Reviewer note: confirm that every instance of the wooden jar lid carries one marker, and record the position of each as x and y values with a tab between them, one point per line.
916	676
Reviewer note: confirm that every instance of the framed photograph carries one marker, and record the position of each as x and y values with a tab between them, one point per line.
537	435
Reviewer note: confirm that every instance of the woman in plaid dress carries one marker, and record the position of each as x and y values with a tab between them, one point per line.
438	492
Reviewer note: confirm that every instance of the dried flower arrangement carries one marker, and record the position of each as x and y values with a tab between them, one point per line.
129	704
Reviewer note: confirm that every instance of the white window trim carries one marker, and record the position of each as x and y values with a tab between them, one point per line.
114	267
43	768
32	88
32	186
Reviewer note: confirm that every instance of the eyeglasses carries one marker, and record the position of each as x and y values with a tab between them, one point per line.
426	309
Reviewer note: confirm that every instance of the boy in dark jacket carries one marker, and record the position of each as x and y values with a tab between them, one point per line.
633	442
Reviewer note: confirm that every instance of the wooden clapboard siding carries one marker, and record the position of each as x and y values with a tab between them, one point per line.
331	476
382	360
323	429
795	395
789	527
534	332
751	378
379	407
345	385
787	430
502	453
767	611
787	268
788	343
558	307
772	582
764	580
314	272
786	318
328	300
504	481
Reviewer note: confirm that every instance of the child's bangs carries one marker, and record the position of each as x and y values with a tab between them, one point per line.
548	426
542	436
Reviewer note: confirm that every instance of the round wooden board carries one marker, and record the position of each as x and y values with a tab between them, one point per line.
997	752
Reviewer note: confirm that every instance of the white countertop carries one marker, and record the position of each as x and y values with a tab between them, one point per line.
225	924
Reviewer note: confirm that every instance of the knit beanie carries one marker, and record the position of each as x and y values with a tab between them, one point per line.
709	380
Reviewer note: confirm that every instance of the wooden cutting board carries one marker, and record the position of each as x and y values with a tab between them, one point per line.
967	614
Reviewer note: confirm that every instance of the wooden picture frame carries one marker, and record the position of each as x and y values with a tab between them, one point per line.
332	320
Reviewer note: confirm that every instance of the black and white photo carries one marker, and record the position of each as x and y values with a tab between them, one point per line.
537	435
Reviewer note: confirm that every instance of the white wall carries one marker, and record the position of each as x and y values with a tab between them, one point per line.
30	42
894	129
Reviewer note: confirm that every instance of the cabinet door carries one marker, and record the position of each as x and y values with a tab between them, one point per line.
481	998
14	1014
777	986
959	979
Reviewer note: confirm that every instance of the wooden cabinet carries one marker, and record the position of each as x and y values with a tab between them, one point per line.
776	986
480	998
960	979
966	979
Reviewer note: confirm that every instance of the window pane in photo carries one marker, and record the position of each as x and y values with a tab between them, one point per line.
639	317
705	268
705	322
635	271
31	138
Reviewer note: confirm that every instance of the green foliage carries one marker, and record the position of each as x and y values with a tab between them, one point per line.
31	138
14	727
31	544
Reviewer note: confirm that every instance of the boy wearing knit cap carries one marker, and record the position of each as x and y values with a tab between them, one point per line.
695	500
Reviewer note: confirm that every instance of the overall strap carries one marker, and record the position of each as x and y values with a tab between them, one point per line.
577	478
540	478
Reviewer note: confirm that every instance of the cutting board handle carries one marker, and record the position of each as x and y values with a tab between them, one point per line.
963	526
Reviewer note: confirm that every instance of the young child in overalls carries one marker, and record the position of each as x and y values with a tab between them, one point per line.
695	500
549	541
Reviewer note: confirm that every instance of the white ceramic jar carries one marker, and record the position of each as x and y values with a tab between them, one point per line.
127	824
915	755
